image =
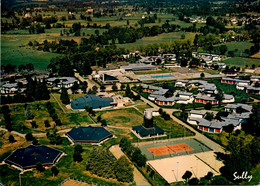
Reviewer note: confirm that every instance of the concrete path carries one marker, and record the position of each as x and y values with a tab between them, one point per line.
13	132
138	177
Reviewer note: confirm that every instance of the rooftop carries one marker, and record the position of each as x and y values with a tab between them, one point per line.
88	134
92	101
28	157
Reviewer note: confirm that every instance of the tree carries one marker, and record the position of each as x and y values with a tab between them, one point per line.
114	87
187	175
54	171
209	116
253	122
122	87
209	176
128	92
29	137
237	160
103	123
11	139
219	180
139	158
64	97
123	170
94	89
202	75
208	106
77	157
99	118
229	129
239	110
34	125
35	141
220	96
54	138
193	181
75	87
78	148
47	123
223	49
39	167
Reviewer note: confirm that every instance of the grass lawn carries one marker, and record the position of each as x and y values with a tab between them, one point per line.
241	62
122	118
171	127
142	107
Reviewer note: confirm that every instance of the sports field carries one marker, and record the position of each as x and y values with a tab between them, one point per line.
167	149
170	149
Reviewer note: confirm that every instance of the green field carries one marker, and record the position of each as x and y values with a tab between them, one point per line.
238	48
241	62
11	52
161	38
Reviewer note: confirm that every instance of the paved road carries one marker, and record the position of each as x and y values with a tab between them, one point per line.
138	177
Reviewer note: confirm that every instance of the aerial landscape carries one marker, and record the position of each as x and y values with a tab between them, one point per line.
130	92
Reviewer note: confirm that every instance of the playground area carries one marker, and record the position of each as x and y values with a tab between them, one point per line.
166	149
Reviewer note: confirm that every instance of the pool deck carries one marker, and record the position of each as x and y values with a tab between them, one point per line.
172	76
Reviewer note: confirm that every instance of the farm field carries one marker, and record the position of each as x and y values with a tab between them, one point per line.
241	62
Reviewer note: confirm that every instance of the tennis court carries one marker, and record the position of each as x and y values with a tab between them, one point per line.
169	149
160	150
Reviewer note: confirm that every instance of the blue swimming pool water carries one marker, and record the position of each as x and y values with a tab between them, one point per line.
162	76
143	77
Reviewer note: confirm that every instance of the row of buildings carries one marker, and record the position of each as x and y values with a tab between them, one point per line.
231	117
207	93
20	84
250	86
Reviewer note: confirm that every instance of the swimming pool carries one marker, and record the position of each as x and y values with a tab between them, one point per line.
162	76
143	77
